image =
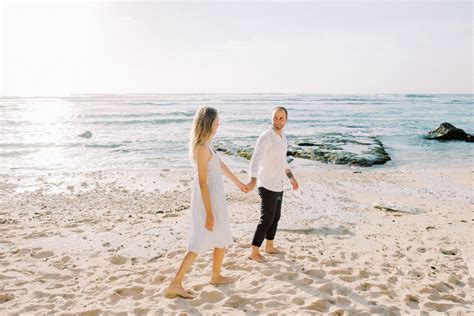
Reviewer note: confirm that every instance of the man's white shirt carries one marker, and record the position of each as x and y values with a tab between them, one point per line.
269	162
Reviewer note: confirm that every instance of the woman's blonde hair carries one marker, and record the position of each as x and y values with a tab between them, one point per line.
202	128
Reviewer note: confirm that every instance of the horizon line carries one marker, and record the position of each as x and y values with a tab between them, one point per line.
226	93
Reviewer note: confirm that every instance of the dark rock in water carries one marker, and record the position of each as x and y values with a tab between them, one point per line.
343	149
224	150
334	148
305	144
87	134
447	131
245	153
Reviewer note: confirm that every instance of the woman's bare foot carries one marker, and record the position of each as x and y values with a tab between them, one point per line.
218	280
273	251
257	257
175	290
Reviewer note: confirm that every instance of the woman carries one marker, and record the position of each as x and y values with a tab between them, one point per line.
209	220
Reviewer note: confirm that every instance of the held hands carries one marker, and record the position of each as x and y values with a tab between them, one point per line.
209	222
242	187
251	185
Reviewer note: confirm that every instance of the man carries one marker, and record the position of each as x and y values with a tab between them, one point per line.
268	170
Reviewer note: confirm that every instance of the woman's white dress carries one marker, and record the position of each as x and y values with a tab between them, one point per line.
200	239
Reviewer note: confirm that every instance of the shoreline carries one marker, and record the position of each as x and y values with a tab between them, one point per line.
157	179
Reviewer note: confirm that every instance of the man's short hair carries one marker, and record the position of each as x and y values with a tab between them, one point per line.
280	108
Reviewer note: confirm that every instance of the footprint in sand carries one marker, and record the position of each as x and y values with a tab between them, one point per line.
199	287
92	312
129	291
340	271
5	297
297	301
274	304
235	301
117	259
331	262
318	274
202	265
306	281
349	278
455	280
327	289
174	253
442	287
385	310
208	297
319	305
343	302
238	267
363	274
412	301
343	290
40	294
42	254
253	290
365	286
415	274
439	307
421	249
392	279
141	311
453	298
286	276
159	278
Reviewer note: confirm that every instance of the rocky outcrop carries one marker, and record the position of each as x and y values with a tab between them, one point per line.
343	149
86	134
447	131
334	148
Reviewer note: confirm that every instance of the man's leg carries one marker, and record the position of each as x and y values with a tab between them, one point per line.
270	236
267	212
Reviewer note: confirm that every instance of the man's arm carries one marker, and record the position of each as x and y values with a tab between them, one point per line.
292	178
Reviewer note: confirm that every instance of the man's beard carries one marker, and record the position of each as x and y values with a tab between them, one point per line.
278	127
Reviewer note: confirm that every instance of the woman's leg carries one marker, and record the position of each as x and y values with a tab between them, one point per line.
217	259
176	286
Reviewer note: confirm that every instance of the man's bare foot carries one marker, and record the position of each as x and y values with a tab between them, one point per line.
273	251
259	258
174	290
221	280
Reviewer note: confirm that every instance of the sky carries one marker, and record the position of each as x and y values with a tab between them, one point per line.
243	47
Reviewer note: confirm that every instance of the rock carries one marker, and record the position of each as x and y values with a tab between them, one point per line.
449	252
245	153
447	131
118	260
334	148
86	134
393	208
342	149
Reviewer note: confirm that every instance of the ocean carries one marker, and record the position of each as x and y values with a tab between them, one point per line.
39	135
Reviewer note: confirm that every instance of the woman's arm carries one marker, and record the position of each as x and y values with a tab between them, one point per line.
232	177
202	159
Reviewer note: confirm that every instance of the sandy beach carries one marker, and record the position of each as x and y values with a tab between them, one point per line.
112	248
